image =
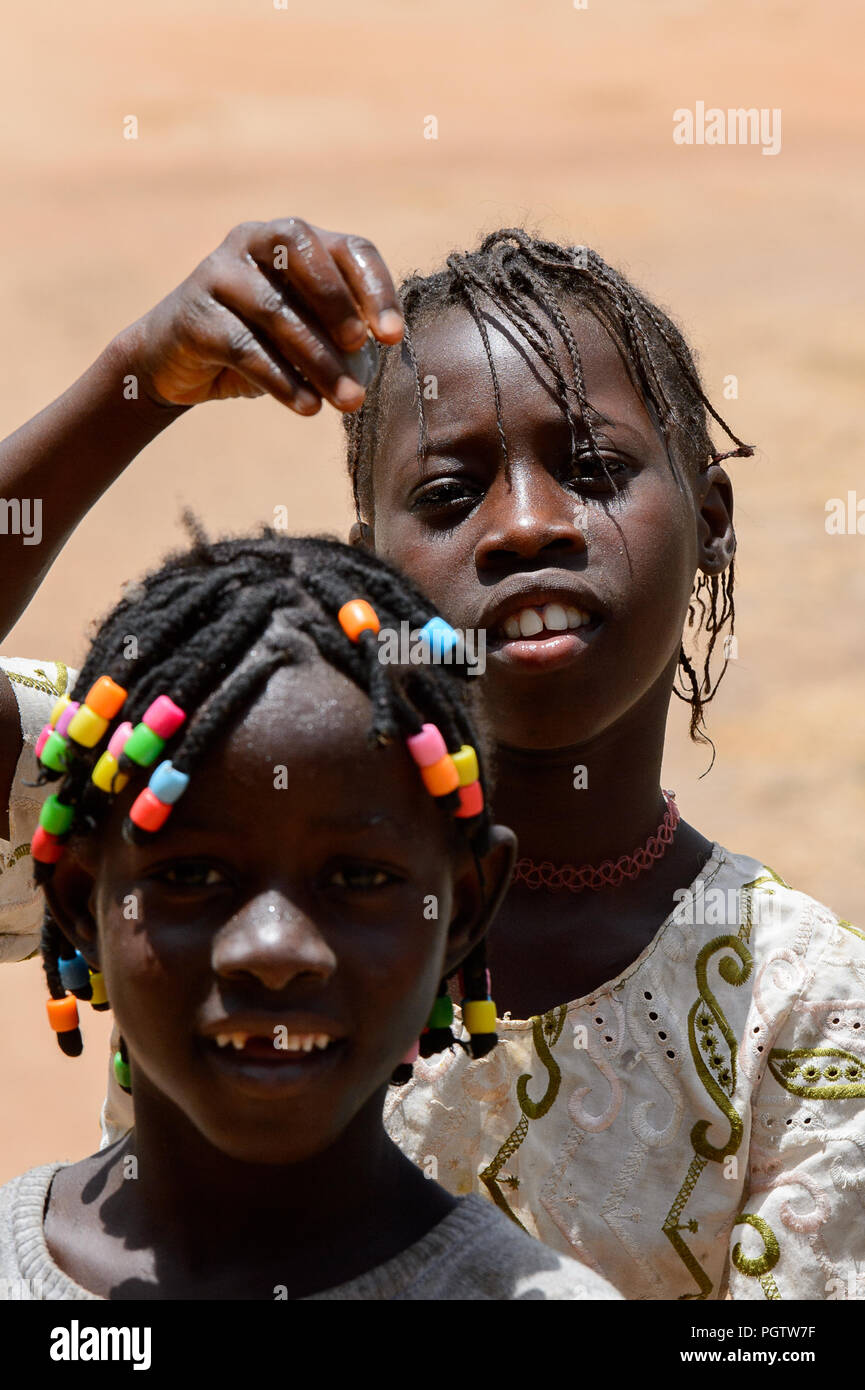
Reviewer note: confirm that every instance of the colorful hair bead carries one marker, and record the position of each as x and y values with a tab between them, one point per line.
85	726
67	714
117	741
99	994
471	801
105	697
466	764
44	735
357	616
57	709
148	812
441	1013
167	783
122	1073
439	637
441	778
107	776
143	746
163	716
479	1015
55	753
428	747
44	847
75	974
62	1013
55	816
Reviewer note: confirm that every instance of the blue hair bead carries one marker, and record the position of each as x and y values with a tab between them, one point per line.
439	636
75	973
167	784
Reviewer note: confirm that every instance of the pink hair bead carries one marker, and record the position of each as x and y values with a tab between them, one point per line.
66	718
163	717
43	738
412	1055
427	747
118	739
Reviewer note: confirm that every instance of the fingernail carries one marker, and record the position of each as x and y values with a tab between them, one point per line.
347	391
390	322
350	330
363	364
306	403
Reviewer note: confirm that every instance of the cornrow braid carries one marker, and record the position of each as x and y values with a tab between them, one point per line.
528	279
200	631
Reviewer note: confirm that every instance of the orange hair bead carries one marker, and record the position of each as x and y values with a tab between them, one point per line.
105	697
63	1013
441	777
357	616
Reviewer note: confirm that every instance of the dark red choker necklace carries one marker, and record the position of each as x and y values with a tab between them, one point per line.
610	873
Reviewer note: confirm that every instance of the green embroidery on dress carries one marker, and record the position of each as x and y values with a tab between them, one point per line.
705	1019
819	1073
552	1024
848	926
758	1267
46	685
701	1017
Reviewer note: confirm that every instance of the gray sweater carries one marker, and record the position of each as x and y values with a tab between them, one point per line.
475	1252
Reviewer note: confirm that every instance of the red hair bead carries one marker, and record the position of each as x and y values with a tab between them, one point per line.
45	847
471	801
148	812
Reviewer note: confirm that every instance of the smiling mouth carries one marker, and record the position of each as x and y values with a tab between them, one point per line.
280	1049
537	621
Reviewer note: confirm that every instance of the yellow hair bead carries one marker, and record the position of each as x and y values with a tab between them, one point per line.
107	775
479	1015
466	764
97	984
86	727
58	709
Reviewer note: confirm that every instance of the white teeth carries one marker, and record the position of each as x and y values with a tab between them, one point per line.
223	1039
552	617
308	1043
321	1041
239	1041
555	618
531	623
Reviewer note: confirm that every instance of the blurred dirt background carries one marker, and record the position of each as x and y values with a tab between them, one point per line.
548	115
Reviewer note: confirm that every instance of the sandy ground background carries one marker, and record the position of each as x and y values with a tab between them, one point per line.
549	115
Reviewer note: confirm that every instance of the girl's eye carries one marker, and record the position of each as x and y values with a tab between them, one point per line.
358	877
587	472
190	874
447	494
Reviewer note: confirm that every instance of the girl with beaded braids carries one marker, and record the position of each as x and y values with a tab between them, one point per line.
530	441
281	808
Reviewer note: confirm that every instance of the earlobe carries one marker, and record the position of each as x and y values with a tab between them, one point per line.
361	535
477	903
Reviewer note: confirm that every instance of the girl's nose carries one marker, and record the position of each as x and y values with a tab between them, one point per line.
528	515
273	940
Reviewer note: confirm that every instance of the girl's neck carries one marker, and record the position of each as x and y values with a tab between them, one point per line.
201	1224
587	802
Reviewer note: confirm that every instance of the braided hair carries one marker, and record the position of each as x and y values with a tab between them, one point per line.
527	279
200	628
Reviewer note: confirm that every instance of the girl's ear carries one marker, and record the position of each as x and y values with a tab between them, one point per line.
476	903
69	894
361	535
716	539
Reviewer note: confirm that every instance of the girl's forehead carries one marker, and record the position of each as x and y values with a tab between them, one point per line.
456	382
